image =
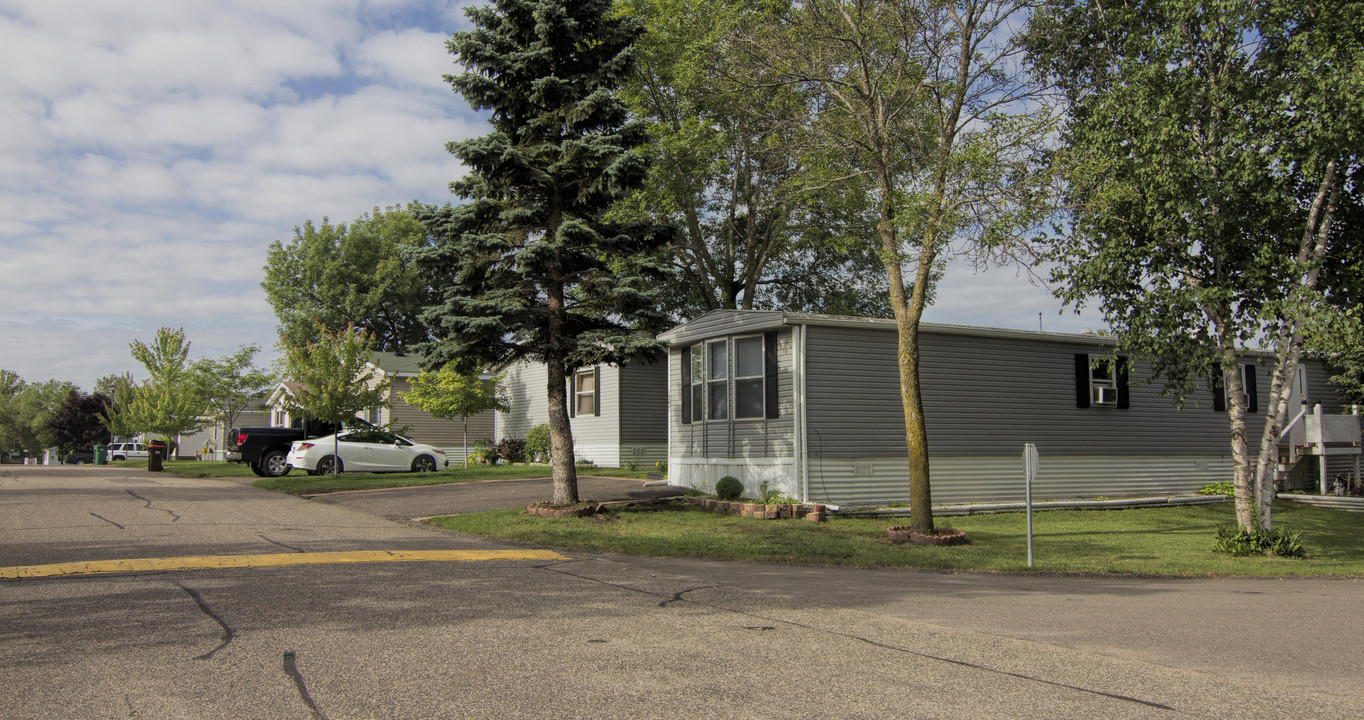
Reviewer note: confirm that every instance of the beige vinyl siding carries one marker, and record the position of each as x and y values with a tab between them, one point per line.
595	437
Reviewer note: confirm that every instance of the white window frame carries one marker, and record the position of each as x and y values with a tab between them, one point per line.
1103	383
712	381
579	394
760	377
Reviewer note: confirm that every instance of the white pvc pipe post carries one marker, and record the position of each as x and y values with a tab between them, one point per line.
1030	461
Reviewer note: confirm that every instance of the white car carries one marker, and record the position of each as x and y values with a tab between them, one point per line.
364	450
127	451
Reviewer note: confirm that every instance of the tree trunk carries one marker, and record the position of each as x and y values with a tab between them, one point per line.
560	436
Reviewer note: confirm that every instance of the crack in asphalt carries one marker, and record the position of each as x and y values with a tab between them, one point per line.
111	522
276	542
228	632
291	669
678	597
174	517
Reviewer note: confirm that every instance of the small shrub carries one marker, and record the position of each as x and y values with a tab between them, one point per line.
729	488
537	443
661	466
586	464
513	450
1241	543
631	465
485	452
1218	488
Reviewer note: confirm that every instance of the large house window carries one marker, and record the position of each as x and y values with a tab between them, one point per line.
730	378
585	392
1100	381
717	375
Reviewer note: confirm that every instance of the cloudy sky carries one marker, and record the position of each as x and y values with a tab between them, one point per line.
150	151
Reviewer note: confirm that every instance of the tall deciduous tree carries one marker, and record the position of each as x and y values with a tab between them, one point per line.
171	401
449	394
119	414
726	168
1207	152
358	272
529	268
231	383
335	382
926	107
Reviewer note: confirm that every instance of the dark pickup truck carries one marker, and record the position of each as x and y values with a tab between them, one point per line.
266	449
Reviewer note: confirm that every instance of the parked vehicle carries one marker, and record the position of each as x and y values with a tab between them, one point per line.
127	451
266	449
366	450
79	458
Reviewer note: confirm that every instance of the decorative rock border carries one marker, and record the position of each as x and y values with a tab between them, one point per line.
760	511
941	536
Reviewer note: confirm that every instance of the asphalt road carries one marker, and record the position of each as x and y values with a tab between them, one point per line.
599	636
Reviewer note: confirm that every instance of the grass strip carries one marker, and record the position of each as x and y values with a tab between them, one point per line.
1174	541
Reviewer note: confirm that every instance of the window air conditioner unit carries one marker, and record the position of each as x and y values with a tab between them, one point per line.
1105	395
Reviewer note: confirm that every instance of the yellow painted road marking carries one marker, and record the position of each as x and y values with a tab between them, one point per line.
202	562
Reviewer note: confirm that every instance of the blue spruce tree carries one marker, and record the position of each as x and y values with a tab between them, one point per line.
532	269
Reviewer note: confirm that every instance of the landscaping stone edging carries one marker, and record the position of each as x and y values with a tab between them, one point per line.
760	511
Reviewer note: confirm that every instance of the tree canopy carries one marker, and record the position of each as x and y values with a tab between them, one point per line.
358	272
230	384
449	394
924	107
334	381
725	144
529	267
1207	152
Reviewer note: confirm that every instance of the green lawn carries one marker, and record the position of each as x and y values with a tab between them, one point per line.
1147	541
297	483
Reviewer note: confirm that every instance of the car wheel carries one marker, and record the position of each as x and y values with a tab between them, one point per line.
324	466
118	457
274	463
425	463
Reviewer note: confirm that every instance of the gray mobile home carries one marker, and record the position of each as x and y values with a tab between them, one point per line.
810	404
618	413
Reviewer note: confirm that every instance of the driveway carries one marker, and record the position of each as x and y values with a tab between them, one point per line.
408	503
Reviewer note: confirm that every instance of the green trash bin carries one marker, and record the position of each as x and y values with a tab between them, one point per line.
101	454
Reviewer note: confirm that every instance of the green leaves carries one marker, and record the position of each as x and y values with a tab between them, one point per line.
359	272
333	380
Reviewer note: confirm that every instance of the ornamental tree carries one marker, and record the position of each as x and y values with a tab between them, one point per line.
335	382
448	394
529	268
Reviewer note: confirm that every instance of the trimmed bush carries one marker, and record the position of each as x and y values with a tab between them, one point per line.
537	443
729	488
1218	488
1278	541
513	450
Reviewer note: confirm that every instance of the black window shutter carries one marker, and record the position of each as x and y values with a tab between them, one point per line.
1219	396
1124	400
596	391
770	374
1252	396
573	394
686	385
1081	380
